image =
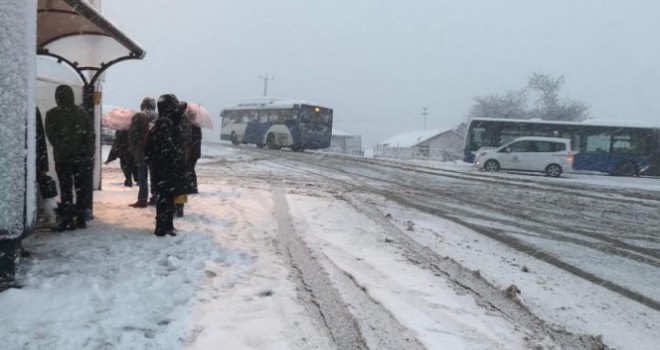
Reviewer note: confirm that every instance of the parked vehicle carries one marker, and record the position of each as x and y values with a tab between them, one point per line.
549	155
615	148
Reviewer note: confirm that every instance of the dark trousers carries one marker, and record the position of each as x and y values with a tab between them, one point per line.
72	174
164	214
152	189
129	168
192	176
143	181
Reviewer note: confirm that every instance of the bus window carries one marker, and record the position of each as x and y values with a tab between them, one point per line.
252	117
621	144
598	143
274	116
241	117
262	116
286	114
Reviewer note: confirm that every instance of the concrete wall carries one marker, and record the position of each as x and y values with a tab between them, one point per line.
17	126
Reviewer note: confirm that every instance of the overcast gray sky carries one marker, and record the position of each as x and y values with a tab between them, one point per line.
383	60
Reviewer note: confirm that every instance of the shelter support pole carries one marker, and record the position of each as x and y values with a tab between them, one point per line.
88	167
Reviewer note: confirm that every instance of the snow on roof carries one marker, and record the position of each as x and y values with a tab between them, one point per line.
269	102
411	138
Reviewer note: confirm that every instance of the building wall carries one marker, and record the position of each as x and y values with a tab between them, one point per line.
444	147
346	144
17	120
17	125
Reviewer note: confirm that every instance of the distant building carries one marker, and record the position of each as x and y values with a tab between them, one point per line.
343	142
440	145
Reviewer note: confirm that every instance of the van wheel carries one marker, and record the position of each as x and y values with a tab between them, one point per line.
553	170
234	138
627	168
492	165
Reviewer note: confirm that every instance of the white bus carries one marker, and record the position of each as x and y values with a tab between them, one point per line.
278	123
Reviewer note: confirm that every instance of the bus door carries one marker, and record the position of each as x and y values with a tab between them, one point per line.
254	131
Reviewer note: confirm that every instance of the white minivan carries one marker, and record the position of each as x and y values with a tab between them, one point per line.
549	155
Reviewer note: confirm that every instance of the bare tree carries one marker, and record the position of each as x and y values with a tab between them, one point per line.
548	104
511	105
514	104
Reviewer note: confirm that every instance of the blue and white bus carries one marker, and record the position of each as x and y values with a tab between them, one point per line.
277	123
611	148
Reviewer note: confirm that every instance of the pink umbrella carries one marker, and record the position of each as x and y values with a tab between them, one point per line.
199	115
117	118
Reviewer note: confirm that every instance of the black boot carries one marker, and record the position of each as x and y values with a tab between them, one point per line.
66	225
178	210
81	223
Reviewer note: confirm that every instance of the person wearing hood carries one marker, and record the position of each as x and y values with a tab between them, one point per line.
164	152
70	131
137	136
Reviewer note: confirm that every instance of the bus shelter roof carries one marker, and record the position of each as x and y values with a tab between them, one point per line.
74	32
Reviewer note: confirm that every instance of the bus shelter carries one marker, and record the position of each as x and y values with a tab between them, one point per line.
75	34
71	33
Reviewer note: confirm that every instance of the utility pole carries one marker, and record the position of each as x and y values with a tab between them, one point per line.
266	78
425	112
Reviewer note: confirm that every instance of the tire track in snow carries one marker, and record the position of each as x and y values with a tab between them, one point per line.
455	215
483	292
315	286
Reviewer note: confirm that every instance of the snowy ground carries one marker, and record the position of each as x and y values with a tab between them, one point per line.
255	245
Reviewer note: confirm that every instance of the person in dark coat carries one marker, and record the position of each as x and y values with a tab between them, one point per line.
165	154
192	145
121	150
70	131
42	150
195	154
137	136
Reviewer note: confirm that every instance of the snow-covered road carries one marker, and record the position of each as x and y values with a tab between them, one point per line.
285	250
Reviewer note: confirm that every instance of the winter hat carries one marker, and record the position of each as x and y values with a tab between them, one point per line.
168	103
148	103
